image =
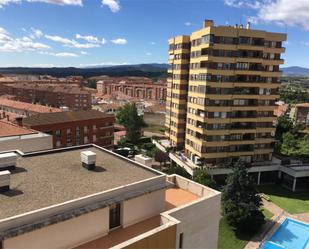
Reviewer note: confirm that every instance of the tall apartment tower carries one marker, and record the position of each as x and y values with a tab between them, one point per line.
222	87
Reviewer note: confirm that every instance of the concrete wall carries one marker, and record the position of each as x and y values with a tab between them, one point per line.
65	234
162	239
143	207
27	143
199	223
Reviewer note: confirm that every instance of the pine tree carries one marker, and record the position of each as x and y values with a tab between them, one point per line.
240	202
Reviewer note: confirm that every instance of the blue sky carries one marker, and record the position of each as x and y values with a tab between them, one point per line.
104	32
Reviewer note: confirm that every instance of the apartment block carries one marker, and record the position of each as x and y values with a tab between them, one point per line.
136	87
222	88
89	197
53	94
177	90
72	128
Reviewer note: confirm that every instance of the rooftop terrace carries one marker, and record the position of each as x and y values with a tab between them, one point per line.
174	197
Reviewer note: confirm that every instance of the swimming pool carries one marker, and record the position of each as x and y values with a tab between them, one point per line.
291	234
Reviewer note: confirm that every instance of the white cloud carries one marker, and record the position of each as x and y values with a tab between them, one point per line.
19	45
305	43
11	44
112	4
61	54
60	2
103	64
84	53
253	4
66	54
148	54
70	43
59	39
119	41
188	23
36	32
91	39
281	12
6	2
152	43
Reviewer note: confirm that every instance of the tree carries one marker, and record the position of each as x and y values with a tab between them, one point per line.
133	123
285	124
240	202
289	145
304	147
161	157
202	177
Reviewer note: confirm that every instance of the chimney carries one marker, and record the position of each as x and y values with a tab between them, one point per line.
248	25
5	181
208	23
19	120
8	161
88	159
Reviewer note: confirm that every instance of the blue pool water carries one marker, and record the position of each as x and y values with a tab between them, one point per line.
291	234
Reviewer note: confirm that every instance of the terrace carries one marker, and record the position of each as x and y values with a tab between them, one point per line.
174	197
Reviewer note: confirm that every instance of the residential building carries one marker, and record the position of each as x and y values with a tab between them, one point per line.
19	108
72	128
52	94
14	137
55	201
302	114
136	87
222	88
281	108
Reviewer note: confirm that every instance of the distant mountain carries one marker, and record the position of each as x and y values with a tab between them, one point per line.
295	71
147	70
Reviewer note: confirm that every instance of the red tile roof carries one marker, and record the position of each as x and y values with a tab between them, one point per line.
27	106
9	129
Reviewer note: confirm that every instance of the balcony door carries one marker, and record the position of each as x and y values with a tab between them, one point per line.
114	215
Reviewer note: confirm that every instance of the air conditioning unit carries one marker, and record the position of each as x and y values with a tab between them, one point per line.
88	159
8	161
5	180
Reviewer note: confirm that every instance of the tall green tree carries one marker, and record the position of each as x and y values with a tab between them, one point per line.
284	124
202	177
133	123
240	202
289	144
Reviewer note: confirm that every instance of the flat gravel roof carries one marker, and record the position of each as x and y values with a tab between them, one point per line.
52	178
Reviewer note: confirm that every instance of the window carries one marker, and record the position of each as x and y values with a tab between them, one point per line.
58	133
114	215
181	241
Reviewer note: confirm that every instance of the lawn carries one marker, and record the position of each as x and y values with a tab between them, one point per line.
154	128
268	215
291	202
228	239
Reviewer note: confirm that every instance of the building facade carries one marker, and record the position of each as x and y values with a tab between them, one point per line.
55	94
120	204
72	128
223	85
302	114
136	87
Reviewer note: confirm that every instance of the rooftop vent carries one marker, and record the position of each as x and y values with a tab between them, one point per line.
4	181
8	161
88	159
